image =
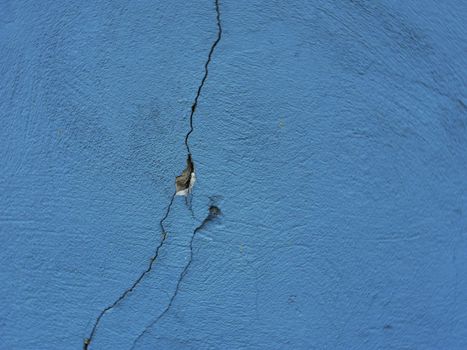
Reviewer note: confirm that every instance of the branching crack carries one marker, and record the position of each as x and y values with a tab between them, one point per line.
183	183
87	341
214	212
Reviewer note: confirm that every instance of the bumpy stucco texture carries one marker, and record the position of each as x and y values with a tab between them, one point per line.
330	134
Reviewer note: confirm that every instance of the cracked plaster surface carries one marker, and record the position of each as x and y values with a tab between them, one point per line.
331	135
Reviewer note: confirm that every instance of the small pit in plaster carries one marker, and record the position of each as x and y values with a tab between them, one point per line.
184	183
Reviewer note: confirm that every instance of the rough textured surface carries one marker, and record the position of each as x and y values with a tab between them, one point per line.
331	135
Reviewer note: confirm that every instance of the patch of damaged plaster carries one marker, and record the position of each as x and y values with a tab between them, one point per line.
184	183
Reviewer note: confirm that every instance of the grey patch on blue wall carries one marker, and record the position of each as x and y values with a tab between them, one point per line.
184	182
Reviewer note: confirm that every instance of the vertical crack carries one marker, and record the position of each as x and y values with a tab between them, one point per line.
88	340
214	212
205	77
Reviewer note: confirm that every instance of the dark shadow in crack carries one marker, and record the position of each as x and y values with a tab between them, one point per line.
184	182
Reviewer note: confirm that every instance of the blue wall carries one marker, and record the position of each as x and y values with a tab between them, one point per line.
331	135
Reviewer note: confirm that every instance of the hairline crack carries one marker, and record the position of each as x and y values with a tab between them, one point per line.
213	213
88	340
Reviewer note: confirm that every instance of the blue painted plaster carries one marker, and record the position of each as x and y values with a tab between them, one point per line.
331	134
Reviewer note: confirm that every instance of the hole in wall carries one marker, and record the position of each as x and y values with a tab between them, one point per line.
184	182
